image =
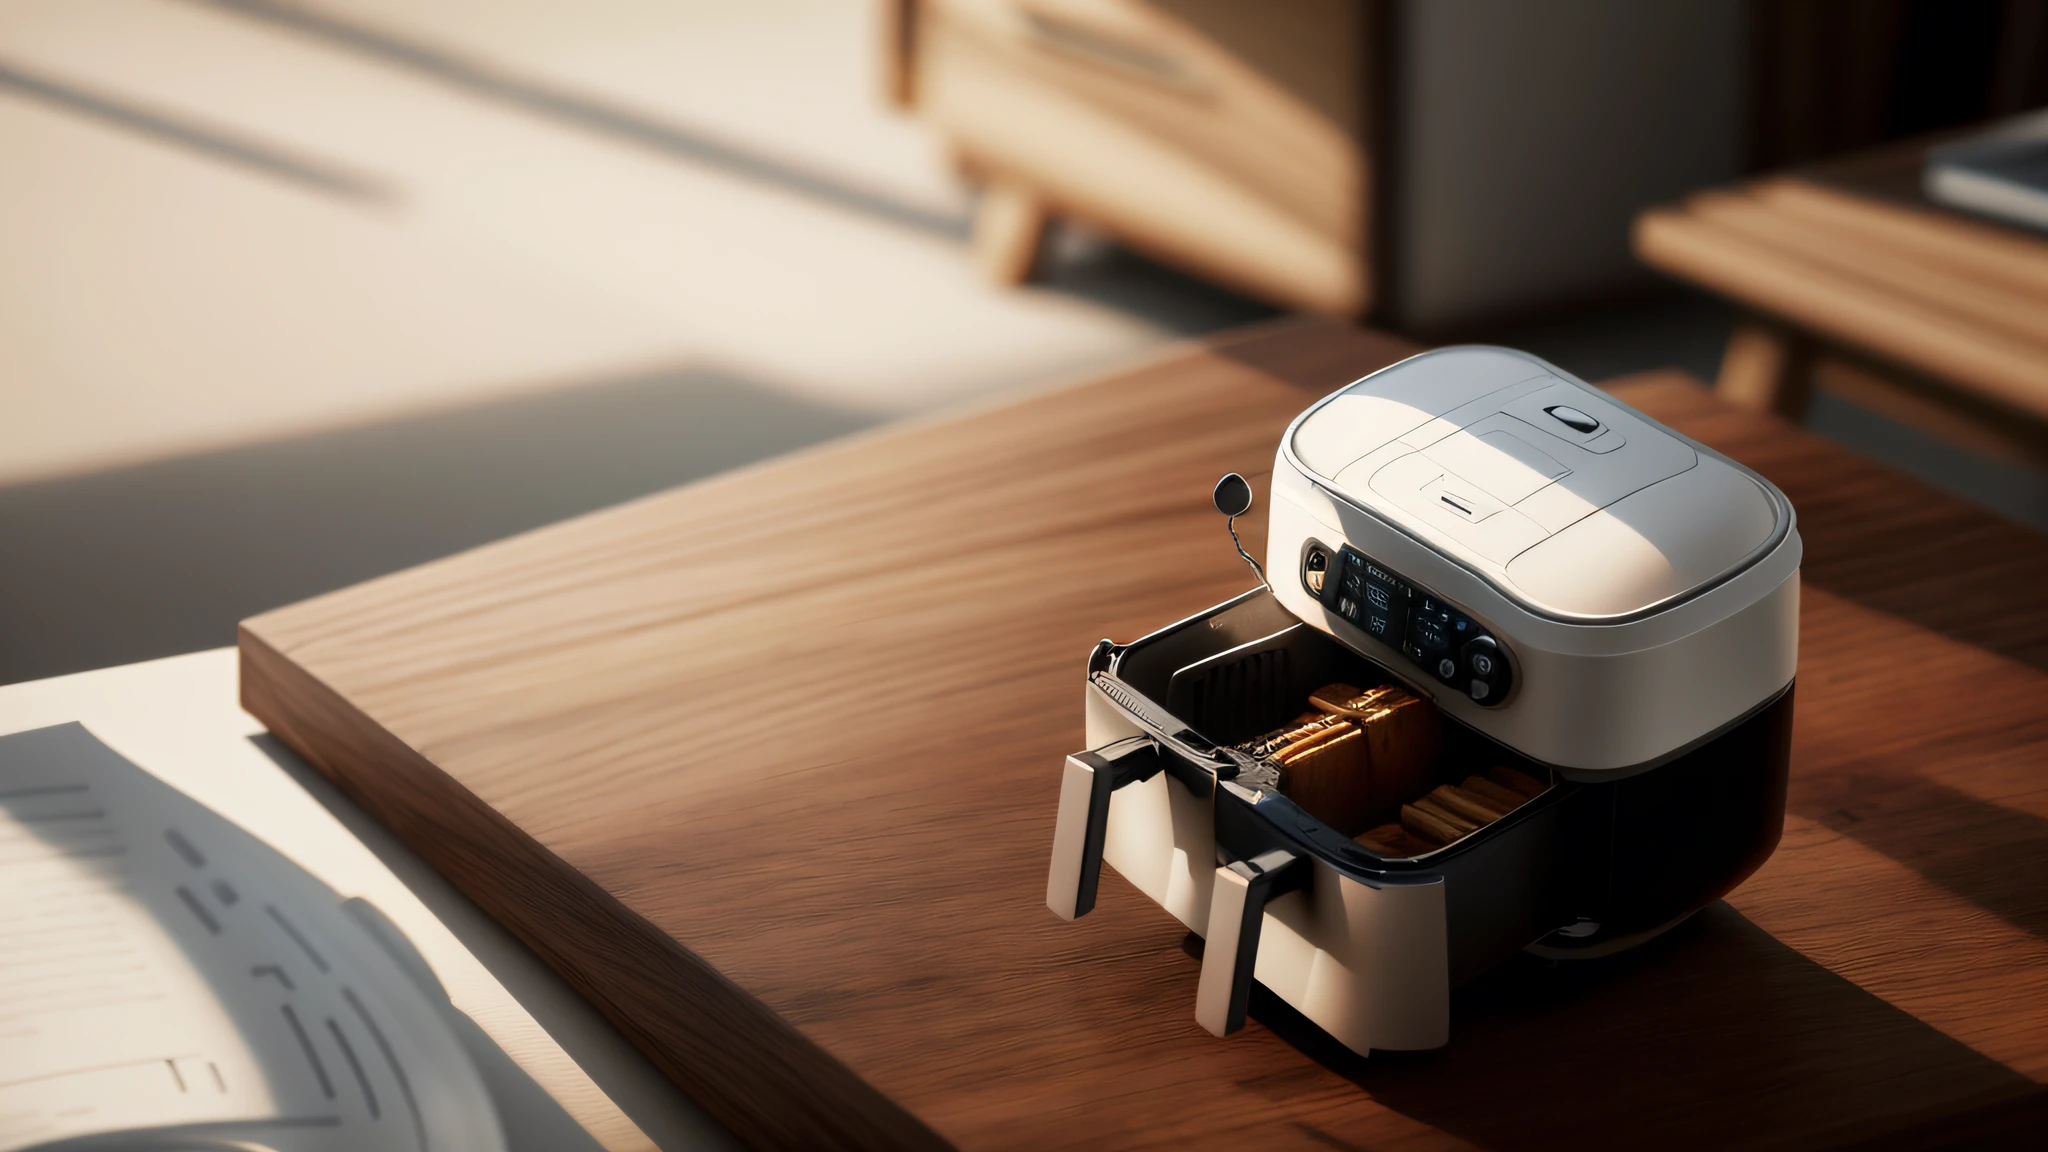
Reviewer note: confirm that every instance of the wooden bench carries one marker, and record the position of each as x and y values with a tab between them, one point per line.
1857	284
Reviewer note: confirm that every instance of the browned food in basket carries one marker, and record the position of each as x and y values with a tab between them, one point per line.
1406	735
1344	700
1394	840
1353	767
1461	823
1506	799
1329	779
1517	781
1329	696
1454	799
1342	729
1427	825
1277	743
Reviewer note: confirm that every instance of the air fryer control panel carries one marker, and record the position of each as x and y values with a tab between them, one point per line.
1437	638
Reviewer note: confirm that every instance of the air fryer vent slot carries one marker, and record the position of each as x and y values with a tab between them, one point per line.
1125	699
1235	697
1239	693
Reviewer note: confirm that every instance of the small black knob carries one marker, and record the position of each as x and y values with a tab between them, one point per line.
1573	419
1233	496
1487	674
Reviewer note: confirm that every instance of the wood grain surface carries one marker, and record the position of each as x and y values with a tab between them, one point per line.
1229	139
1934	291
767	765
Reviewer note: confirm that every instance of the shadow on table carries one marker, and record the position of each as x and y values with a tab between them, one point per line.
1993	856
1754	1044
1897	546
164	557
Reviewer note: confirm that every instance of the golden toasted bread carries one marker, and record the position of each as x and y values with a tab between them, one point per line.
1394	840
1506	799
1509	778
1343	699
1455	799
1427	826
1329	779
1461	823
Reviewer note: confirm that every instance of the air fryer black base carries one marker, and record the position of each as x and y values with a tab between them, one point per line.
1643	853
1588	868
1595	864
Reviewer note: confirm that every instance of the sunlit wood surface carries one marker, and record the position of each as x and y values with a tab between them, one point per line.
766	767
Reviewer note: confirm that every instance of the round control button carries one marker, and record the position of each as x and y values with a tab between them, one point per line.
1447	667
1488	666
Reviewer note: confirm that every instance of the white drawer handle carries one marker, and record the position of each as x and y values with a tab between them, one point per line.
1237	910
1085	789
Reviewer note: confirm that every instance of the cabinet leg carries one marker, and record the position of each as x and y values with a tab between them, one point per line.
1008	228
1767	369
898	19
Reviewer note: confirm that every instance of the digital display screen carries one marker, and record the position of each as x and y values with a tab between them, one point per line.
1438	638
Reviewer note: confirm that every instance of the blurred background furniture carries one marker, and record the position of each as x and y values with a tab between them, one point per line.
1828	77
300	292
1858	284
1436	166
386	279
763	766
1238	139
1425	163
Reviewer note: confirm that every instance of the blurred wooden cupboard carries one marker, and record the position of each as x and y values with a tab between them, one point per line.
1424	162
1232	138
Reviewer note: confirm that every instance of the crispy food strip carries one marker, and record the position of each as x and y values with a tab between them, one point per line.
1455	799
1274	743
1394	840
1324	729
1519	782
1331	694
1344	700
1386	839
1444	814
1428	826
1318	743
1310	743
1368	752
1406	737
1506	799
1281	737
1328	779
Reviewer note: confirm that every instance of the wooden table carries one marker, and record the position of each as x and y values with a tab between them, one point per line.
766	767
1858	284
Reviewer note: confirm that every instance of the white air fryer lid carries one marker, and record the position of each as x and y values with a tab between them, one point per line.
1569	501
